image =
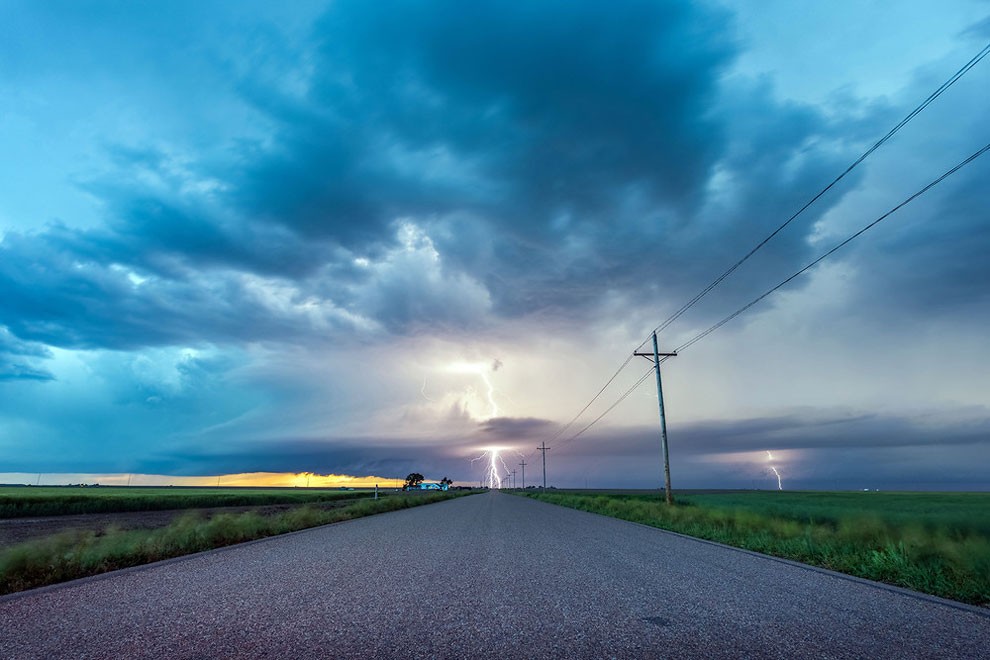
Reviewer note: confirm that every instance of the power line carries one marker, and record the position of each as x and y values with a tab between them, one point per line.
559	432
622	398
593	399
808	267
835	249
911	115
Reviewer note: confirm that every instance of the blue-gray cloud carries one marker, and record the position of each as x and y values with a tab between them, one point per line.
550	155
18	359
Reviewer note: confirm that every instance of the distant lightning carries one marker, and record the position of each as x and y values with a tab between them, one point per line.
422	391
780	485
480	369
491	474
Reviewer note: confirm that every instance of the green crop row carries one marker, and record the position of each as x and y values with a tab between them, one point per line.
73	555
951	561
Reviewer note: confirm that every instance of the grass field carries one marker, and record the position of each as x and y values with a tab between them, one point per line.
73	555
20	502
937	543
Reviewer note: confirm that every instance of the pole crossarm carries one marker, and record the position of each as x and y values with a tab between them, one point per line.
649	356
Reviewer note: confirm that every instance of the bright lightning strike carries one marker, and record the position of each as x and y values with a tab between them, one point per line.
491	475
780	485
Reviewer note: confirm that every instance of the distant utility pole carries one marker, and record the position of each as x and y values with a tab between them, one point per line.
543	450
513	480
523	464
655	357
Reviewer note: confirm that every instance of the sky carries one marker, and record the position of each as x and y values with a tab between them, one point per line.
371	238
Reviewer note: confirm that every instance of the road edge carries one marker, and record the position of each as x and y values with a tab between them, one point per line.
5	598
917	595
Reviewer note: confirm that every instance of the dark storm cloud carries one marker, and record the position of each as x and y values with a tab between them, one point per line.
515	428
518	118
56	293
812	451
939	269
339	455
17	358
797	431
837	450
552	154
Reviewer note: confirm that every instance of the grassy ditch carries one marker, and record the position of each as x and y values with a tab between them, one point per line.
73	555
937	549
21	502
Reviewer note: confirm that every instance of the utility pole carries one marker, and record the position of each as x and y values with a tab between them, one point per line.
523	464
543	450
513	480
655	357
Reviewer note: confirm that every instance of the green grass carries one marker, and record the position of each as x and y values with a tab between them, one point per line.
21	502
937	543
74	555
960	512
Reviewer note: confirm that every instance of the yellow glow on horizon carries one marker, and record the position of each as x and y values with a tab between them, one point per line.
244	479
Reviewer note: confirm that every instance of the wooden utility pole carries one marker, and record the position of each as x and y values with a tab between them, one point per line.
523	465
655	357
543	450
513	480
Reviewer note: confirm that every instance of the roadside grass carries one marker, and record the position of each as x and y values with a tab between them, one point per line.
23	502
72	555
944	552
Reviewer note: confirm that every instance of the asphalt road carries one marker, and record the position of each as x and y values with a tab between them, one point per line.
486	575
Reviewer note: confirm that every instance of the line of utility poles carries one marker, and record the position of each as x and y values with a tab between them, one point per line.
543	450
523	465
655	358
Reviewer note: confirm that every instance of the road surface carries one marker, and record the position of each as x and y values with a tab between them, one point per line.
484	575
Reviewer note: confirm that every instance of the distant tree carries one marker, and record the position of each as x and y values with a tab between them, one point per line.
445	481
413	481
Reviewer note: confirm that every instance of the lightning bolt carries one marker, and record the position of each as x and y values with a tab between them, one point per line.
491	393
481	370
422	391
780	485
491	469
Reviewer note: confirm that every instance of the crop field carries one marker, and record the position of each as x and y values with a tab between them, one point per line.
937	543
32	501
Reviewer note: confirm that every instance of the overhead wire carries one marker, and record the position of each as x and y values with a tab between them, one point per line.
832	251
711	286
784	282
911	115
622	398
